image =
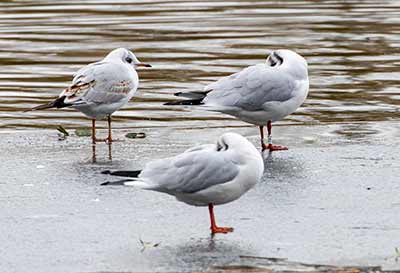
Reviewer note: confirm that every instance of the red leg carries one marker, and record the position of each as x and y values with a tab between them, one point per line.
263	146
93	131
94	139
270	146
109	138
214	228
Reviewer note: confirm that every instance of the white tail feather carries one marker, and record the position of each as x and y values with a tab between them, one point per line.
138	183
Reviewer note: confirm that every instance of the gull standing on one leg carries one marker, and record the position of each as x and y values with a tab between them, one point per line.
205	175
259	94
99	89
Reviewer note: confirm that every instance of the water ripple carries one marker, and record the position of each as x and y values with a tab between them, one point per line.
351	47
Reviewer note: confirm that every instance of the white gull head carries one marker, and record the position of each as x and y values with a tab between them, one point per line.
289	61
125	56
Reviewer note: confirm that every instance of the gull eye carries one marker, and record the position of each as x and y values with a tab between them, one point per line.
128	60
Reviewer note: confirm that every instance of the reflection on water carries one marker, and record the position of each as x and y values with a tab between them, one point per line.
351	46
201	254
359	130
95	153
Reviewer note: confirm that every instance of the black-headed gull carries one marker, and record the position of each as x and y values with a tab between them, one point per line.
205	175
99	89
259	94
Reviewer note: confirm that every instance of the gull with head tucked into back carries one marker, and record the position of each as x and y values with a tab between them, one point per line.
99	89
259	94
205	175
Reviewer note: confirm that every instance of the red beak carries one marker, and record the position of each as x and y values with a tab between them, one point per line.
143	64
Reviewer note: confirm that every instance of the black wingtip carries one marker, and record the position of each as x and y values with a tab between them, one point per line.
186	102
123	173
105	183
192	98
57	103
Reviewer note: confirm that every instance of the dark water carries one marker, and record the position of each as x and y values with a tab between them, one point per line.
351	47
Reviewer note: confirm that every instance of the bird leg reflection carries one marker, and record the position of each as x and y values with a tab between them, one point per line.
109	151
94	153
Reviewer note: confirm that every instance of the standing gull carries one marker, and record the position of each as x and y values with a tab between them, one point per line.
259	94
205	175
99	89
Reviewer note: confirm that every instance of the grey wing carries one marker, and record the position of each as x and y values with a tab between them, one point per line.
191	171
100	83
251	88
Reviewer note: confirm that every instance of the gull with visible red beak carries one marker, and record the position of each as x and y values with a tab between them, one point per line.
99	89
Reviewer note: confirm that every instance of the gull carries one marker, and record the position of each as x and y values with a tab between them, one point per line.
205	175
259	94
101	88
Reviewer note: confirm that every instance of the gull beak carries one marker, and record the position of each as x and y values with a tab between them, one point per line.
143	64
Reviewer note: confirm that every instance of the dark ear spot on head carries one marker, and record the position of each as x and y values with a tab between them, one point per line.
280	59
271	61
274	59
222	147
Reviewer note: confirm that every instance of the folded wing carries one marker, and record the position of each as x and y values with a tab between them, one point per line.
100	82
251	88
192	171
